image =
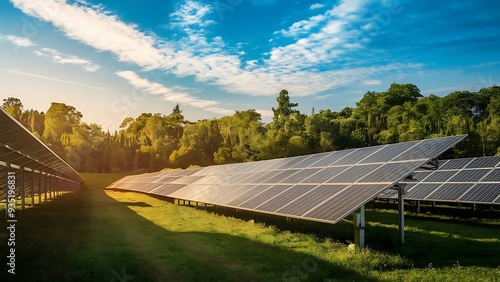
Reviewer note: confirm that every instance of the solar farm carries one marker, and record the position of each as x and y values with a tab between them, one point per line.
159	226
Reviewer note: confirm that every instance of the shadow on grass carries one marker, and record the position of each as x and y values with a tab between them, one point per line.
439	242
89	236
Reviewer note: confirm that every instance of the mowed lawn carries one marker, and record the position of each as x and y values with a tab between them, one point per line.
97	235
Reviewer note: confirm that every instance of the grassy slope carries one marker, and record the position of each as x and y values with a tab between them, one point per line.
108	236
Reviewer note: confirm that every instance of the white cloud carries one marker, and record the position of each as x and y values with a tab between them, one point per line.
316	6
295	67
61	58
171	94
17	40
372	82
52	79
191	13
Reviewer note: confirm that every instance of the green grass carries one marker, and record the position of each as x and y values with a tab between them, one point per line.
94	235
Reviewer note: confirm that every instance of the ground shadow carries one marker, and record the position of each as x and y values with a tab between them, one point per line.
89	236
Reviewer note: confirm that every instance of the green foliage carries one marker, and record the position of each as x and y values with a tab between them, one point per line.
155	141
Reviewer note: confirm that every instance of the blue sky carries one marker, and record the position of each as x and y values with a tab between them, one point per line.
114	59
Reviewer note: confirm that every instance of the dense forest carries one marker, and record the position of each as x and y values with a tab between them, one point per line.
156	141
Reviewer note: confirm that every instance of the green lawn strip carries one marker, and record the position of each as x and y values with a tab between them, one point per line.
441	243
95	235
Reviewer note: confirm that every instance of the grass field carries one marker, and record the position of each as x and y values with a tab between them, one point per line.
97	235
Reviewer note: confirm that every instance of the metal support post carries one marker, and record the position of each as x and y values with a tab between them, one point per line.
401	209
359	227
32	188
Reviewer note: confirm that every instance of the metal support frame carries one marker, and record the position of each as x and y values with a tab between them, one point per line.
359	227
39	187
418	206
45	186
32	188
401	209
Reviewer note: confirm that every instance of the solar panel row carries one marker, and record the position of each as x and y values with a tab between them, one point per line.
322	187
468	180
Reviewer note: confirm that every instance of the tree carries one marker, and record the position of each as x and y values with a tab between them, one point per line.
284	109
14	107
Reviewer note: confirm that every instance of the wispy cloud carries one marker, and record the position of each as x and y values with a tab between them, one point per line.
171	94
372	82
316	6
295	67
61	58
191	13
35	75
17	40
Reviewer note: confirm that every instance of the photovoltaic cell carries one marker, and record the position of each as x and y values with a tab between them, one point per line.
264	196
449	192
324	174
388	153
468	175
482	193
358	155
353	173
292	161
300	175
332	158
440	176
494	175
484	162
280	176
283	199
455	164
261	177
252	192
310	160
233	192
308	201
335	208
389	172
420	191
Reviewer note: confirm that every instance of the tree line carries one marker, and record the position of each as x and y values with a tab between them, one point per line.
156	141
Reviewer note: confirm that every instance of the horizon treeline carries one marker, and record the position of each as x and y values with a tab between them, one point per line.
155	141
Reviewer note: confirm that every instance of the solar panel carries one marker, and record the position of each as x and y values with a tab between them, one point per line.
455	164
307	201
250	193
494	175
358	155
264	196
331	158
301	175
284	199
484	162
280	176
483	192
323	187
420	191
325	174
310	160
334	209
449	191
439	176
468	175
459	180
353	173
387	172
388	153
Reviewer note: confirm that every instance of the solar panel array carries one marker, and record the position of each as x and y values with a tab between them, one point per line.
322	187
468	180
